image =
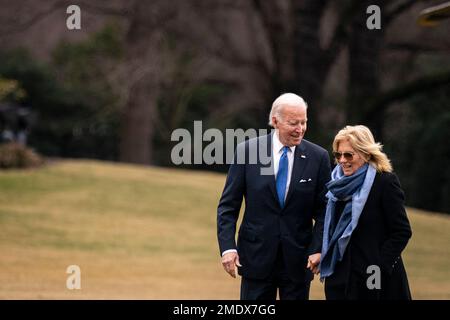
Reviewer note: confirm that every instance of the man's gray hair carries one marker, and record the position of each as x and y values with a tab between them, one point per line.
286	99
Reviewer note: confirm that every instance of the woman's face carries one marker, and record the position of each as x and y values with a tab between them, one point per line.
349	160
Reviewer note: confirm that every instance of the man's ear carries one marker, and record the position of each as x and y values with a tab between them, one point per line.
275	122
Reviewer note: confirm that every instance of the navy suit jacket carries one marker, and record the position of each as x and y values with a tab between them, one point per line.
266	226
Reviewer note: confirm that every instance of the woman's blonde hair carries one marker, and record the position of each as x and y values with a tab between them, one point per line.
361	139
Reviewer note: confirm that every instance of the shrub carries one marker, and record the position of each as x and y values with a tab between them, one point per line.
15	155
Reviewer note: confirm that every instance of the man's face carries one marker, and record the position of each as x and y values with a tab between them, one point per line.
291	125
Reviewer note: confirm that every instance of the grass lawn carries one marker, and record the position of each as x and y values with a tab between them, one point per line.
146	233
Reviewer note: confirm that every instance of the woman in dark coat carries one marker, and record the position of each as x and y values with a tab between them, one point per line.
366	227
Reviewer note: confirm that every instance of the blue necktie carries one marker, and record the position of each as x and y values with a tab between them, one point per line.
282	176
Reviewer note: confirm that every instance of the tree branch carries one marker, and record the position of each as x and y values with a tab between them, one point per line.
341	32
417	86
57	5
275	31
10	29
399	9
123	12
416	47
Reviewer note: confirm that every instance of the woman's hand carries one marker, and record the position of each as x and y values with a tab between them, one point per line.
313	263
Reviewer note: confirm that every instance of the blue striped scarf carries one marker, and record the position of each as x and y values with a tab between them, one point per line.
355	187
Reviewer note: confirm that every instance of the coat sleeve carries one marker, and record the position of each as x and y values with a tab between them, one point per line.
230	203
398	226
320	203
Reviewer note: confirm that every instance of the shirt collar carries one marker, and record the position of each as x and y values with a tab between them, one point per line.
277	143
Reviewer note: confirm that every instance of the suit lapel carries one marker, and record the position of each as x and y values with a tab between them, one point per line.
272	183
300	161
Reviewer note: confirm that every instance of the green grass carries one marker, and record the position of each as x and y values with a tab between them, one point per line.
146	233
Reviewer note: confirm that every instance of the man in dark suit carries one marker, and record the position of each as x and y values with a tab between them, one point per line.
278	246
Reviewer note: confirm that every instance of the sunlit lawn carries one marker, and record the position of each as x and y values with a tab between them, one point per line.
145	233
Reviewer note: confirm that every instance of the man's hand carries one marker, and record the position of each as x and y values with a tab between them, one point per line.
313	263
229	261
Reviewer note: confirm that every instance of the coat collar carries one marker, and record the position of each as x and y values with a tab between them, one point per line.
300	161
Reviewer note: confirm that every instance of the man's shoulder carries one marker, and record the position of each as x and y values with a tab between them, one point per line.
260	140
254	141
308	145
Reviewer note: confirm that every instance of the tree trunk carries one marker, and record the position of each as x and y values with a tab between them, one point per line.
364	71
143	41
137	130
310	72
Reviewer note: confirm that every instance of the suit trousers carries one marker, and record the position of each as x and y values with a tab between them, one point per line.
266	289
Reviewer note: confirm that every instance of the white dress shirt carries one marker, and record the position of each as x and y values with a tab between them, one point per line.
277	151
